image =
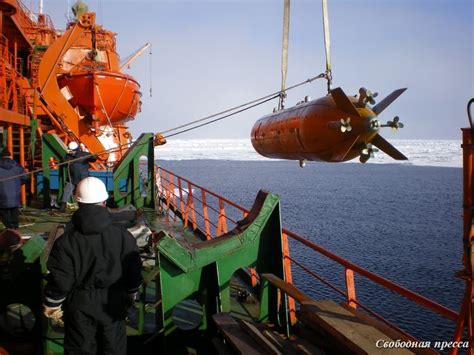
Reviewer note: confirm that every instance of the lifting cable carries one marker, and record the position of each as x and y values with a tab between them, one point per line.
227	113
471	101
263	99
221	118
284	52
151	70
327	44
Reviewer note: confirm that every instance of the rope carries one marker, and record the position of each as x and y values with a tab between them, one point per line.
327	43
237	109
284	51
102	104
221	118
105	110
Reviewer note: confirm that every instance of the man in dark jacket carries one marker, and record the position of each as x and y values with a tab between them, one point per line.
10	184
95	271
78	169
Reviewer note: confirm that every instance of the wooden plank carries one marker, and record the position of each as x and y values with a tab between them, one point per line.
287	288
221	349
237	338
276	338
306	348
303	346
318	339
251	330
56	231
346	328
386	329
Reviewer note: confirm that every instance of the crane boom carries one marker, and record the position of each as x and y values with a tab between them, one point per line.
134	56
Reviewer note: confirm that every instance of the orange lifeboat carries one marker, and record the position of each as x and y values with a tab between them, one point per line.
109	98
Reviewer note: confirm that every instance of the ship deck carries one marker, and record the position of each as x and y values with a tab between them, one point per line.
41	222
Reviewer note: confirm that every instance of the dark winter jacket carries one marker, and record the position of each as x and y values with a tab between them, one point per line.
93	265
10	189
79	169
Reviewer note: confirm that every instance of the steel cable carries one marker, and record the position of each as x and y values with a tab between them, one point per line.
237	109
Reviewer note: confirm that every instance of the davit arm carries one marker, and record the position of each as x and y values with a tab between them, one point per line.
72	123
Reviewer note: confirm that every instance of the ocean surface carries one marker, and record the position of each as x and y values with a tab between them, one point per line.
402	221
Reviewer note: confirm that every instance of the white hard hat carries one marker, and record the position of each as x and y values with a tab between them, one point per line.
91	190
73	145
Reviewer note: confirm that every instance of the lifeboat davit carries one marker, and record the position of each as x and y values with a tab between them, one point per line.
108	97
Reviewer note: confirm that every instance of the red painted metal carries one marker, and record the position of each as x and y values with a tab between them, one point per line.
466	319
109	97
10	138
413	296
350	287
318	277
206	216
288	277
290	133
181	202
222	219
191	205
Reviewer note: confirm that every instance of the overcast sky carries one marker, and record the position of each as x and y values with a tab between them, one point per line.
212	55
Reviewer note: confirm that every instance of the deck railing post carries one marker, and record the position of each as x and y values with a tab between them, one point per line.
181	202
458	333
191	205
288	277
350	287
468	230
205	215
158	187
221	221
168	196
173	196
186	212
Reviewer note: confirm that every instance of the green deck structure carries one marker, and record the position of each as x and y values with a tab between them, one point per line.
133	177
186	279
204	271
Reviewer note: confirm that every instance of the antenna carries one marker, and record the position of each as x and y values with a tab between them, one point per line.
40	6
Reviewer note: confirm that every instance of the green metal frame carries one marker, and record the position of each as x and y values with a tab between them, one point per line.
53	147
128	171
33	128
203	272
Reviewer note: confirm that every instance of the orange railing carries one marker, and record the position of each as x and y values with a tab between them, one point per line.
209	213
30	19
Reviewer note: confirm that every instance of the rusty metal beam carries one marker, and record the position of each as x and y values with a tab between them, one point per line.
13	117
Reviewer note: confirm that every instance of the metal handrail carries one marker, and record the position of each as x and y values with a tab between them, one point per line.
233	204
426	302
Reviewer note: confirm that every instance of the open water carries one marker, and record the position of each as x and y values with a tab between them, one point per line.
400	221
